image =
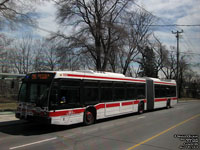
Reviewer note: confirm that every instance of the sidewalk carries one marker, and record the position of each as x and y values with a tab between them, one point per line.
8	118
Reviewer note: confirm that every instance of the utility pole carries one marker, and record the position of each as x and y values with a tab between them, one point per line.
177	74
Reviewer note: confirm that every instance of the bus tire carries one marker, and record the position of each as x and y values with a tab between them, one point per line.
89	117
168	104
141	108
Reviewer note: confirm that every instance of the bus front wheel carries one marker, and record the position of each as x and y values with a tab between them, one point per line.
89	117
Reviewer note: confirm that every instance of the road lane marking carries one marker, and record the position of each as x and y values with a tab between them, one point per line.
149	139
20	146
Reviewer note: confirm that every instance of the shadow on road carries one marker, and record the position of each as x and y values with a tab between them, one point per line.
28	129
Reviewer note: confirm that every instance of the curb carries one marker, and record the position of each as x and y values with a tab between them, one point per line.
7	113
6	110
183	101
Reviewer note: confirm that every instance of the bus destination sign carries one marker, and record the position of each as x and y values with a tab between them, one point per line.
41	76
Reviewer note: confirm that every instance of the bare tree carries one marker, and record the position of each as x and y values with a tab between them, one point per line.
39	55
183	67
191	84
52	57
138	31
169	65
148	63
5	42
97	28
22	54
114	56
66	59
16	12
161	54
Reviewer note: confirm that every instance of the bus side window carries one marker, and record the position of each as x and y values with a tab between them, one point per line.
164	91
106	91
131	91
173	91
157	91
167	90
91	92
140	91
69	96
119	91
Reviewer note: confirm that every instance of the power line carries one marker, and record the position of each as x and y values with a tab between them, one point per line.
154	15
172	26
145	9
189	41
176	25
189	53
189	44
162	25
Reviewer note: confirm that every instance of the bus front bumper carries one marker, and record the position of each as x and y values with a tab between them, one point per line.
41	119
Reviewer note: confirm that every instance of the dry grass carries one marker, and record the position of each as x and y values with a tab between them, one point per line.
8	106
188	99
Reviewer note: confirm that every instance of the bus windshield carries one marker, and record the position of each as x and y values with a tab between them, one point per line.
36	93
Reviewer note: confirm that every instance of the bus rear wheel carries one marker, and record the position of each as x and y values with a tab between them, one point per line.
141	108
168	104
89	117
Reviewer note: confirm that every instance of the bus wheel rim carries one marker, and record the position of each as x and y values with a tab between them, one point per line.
89	116
141	109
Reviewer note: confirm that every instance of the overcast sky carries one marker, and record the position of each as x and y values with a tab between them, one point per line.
182	12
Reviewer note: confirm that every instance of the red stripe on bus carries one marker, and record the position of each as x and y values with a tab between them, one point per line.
65	112
113	105
109	78
127	103
165	83
77	111
136	102
58	113
164	99
160	99
99	106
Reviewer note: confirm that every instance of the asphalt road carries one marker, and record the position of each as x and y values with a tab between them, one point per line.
164	129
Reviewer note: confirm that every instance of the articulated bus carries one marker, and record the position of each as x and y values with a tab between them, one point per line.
69	97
